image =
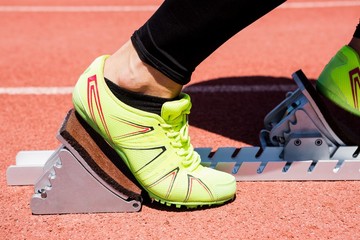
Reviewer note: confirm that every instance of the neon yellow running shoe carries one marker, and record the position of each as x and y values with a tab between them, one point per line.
156	148
340	80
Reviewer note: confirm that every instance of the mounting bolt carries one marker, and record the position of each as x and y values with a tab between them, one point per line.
318	142
43	193
297	142
135	205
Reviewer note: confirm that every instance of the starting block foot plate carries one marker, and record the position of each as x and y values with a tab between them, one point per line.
85	175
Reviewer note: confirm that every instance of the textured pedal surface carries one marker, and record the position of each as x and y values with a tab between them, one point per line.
248	164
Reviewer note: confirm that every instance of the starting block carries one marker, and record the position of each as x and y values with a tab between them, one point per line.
297	144
85	175
77	178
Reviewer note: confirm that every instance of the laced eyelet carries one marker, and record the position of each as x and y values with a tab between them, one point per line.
176	131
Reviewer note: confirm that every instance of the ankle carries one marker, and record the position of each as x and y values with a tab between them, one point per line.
355	44
126	70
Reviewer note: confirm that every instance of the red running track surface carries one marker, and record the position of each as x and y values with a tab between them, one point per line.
51	49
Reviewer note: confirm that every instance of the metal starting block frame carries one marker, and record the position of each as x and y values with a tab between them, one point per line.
79	177
68	186
297	144
64	184
252	164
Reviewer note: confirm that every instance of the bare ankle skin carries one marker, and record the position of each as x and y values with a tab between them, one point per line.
355	44
125	69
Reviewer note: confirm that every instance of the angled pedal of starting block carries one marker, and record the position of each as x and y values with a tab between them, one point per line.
84	175
299	142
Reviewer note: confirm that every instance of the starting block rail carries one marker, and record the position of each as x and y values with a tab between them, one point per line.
246	165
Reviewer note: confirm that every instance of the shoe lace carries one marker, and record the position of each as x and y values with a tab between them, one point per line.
178	131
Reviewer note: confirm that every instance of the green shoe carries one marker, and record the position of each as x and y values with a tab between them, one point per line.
340	80
156	148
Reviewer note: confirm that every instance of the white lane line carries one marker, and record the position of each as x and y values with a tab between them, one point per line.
327	4
151	8
189	89
64	9
35	90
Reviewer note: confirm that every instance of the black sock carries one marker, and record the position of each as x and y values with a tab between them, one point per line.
136	100
357	31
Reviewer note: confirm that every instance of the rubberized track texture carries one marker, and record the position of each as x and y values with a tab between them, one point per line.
45	45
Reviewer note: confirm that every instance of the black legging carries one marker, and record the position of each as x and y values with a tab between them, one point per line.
182	33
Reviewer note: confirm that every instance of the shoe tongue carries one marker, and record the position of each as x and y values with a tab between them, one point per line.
173	109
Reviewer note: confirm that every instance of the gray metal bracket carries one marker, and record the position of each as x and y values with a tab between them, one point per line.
69	181
297	143
67	186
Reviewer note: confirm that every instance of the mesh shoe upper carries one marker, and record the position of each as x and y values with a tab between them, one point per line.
340	80
156	148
